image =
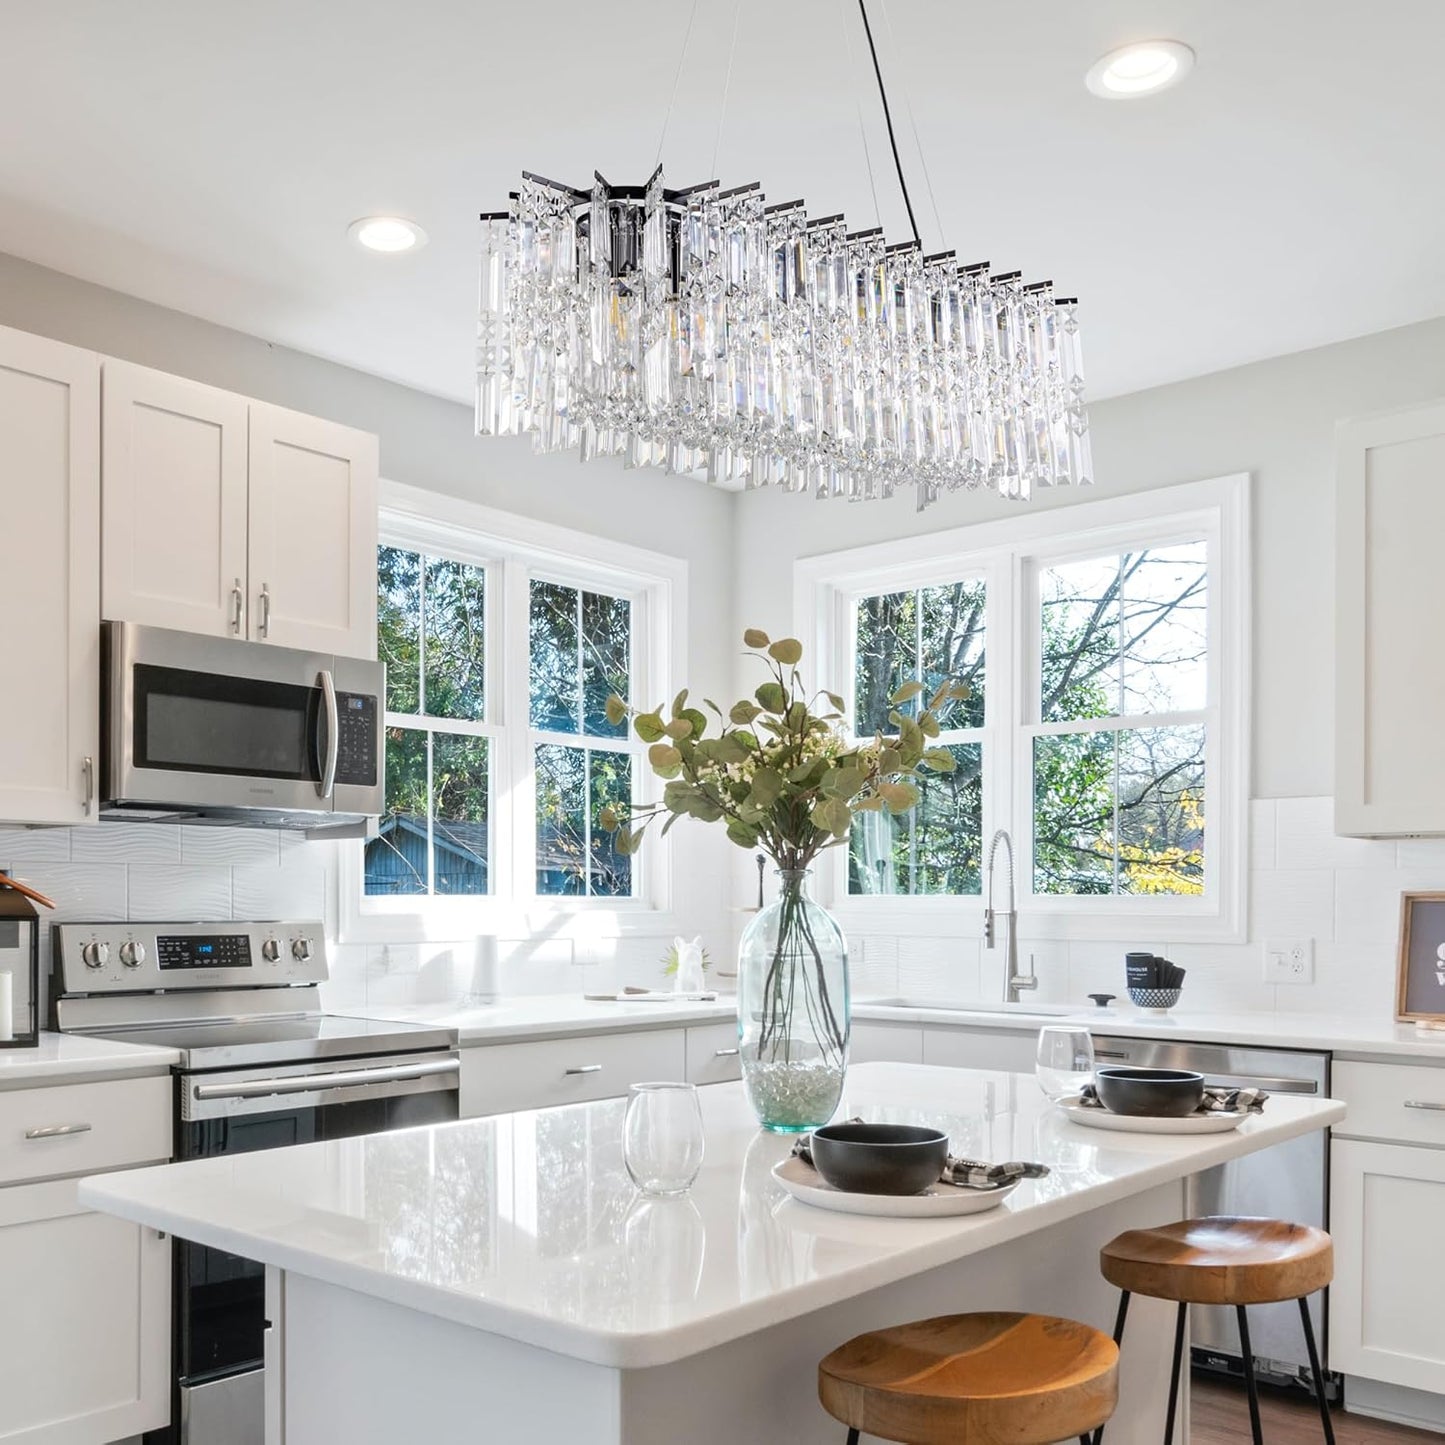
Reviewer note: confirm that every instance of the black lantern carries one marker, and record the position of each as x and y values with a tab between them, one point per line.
19	970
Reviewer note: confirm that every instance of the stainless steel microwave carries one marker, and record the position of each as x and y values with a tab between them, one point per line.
198	728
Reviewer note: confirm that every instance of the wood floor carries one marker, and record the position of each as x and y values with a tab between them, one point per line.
1221	1417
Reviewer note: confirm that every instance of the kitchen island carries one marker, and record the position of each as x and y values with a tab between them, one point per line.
498	1280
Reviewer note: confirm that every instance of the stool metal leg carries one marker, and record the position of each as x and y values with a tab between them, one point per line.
1249	1383
1315	1373
1179	1324
1119	1319
852	1437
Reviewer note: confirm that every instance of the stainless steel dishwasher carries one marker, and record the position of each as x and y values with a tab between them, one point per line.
1286	1181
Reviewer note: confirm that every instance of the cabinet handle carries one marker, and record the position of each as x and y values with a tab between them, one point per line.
725	1053
1110	1054
584	1069
263	626
56	1131
1425	1104
238	601
87	768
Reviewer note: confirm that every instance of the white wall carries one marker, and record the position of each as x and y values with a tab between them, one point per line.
428	442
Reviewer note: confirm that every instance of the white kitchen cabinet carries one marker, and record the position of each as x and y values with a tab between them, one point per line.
963	1048
174	502
49	579
235	518
1389	685
312	540
1386	1323
884	1043
713	1055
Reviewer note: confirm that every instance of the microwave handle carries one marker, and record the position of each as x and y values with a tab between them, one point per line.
332	723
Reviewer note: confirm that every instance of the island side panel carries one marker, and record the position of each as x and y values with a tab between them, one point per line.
367	1372
763	1387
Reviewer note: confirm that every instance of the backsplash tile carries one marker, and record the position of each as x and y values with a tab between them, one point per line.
34	845
297	890
228	845
171	891
127	842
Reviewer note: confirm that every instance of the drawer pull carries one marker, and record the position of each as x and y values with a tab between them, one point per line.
1110	1054
584	1069
725	1053
56	1131
1425	1104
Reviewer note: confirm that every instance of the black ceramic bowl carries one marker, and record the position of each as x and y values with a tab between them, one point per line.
879	1158
1157	1093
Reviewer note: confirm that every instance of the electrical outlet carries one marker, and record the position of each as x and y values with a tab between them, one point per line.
1289	960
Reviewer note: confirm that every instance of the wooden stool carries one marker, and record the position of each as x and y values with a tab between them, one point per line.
1008	1379
1223	1261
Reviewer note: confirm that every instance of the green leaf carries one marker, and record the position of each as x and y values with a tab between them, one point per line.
678	728
743	713
767	787
845	782
608	820
928	724
832	815
787	650
679	702
729	749
834	701
665	759
941	760
648	726
697	719
771	697
624	841
741	834
899	797
889	761
755	637
616	709
907	691
798	716
871	804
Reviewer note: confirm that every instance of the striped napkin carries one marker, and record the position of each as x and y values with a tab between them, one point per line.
1217	1100
965	1173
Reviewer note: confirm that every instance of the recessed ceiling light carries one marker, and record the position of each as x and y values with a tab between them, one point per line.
1142	69
389	234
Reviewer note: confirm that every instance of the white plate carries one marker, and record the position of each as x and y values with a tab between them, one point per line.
1145	1124
938	1201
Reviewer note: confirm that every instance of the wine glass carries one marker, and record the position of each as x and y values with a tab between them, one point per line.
1064	1062
662	1141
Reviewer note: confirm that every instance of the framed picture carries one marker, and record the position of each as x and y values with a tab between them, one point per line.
1421	992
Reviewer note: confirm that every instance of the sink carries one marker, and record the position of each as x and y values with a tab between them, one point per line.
1029	1010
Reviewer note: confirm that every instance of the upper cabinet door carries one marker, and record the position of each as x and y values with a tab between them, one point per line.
174	535
313	533
49	579
1390	614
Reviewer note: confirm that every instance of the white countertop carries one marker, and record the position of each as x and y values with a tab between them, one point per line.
526	1225
61	1058
1344	1035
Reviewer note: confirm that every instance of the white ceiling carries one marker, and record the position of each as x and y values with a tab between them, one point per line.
209	156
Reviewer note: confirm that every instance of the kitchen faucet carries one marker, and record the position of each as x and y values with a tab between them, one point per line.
1014	981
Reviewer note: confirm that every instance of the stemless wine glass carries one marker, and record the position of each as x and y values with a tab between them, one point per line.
662	1138
1064	1062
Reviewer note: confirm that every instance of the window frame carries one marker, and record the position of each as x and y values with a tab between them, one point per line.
514	550
1009	555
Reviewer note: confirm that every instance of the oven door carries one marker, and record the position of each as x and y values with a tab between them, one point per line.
201	723
220	1317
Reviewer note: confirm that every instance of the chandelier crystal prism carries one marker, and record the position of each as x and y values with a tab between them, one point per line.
706	332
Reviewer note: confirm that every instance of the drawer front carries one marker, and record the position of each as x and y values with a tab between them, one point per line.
712	1053
1391	1101
501	1078
963	1048
885	1043
83	1128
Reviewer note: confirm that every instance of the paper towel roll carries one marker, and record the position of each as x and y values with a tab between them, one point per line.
485	985
7	1004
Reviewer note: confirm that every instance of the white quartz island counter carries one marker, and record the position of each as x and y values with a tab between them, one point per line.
508	1285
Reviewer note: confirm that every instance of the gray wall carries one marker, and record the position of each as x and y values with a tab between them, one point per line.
1274	419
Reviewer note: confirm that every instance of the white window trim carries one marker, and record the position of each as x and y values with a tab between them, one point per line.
1217	509
657	586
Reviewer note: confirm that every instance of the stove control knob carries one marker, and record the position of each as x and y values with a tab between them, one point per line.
301	949
95	954
132	954
270	950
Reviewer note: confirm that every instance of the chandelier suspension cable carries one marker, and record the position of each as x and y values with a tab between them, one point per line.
917	139
676	82
858	107
888	116
727	84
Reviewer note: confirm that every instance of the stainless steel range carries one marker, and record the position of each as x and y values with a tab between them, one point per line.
261	1066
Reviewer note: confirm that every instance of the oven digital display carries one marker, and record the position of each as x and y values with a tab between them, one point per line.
219	950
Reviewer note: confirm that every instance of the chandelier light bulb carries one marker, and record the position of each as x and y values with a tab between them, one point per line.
1134	71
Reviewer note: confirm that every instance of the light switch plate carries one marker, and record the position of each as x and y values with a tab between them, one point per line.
1289	960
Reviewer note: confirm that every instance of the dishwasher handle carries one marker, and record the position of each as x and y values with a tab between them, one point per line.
1273	1086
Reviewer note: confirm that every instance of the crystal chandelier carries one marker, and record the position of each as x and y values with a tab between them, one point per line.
706	332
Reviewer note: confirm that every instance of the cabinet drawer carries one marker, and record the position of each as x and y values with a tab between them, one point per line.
964	1048
1391	1101
501	1078
712	1053
885	1043
83	1128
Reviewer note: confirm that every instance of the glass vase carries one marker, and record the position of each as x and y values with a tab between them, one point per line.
793	1011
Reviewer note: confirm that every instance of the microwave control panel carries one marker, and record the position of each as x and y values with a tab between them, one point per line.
358	724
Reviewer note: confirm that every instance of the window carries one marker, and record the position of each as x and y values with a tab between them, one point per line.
1105	722
503	639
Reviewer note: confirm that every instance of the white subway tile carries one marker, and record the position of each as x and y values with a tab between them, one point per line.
1354	980
297	891
939	968
177	893
1292	903
1305	838
126	843
227	845
34	845
1096	967
1262	833
81	891
1414	853
1222	976
872	966
1367	903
